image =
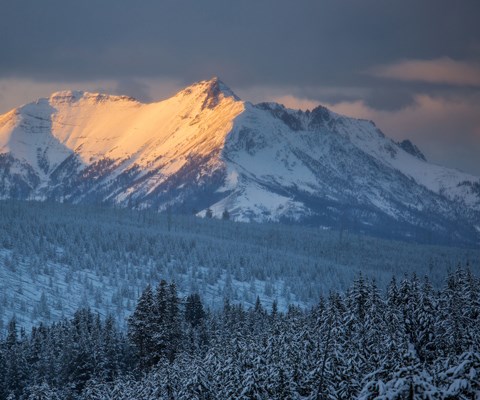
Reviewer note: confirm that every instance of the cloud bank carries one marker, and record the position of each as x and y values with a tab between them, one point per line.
442	70
418	55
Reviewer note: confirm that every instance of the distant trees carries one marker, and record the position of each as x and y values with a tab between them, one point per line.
79	257
225	215
209	213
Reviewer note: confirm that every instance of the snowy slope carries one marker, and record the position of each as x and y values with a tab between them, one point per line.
94	132
205	148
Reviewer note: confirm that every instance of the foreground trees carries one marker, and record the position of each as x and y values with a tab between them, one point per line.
413	343
155	326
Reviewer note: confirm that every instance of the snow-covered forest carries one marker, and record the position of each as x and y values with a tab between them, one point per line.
412	342
57	258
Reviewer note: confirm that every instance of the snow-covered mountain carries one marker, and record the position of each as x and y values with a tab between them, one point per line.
205	148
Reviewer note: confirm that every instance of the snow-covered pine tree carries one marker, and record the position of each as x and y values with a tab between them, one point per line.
142	329
173	324
194	313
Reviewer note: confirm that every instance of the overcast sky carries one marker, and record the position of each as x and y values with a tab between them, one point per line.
411	66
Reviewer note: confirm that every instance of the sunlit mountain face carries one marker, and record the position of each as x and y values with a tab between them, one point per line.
205	149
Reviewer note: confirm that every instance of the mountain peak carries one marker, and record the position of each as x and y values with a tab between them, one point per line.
211	91
216	84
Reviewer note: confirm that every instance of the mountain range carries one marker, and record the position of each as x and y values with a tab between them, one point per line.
205	149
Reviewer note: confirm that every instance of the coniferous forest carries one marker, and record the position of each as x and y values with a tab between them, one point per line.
410	341
57	258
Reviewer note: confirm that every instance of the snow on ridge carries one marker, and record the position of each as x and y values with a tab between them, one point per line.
68	96
367	137
96	127
438	179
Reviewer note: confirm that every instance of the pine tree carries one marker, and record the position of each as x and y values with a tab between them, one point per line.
197	384
454	319
393	296
470	287
41	392
194	313
425	312
3	372
15	361
110	364
461	379
141	329
173	323
160	320
225	215
82	350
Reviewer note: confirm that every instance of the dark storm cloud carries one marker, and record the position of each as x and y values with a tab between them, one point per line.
302	43
371	58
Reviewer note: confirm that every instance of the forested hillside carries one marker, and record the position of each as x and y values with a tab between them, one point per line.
413	342
55	258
